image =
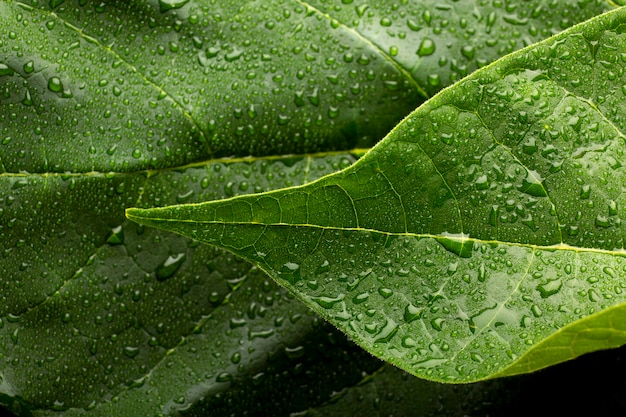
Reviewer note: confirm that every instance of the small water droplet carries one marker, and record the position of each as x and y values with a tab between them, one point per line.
131	351
115	236
170	266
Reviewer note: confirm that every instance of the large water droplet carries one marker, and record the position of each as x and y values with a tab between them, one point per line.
533	184
55	84
328	302
459	244
412	313
5	70
549	288
387	332
131	351
427	47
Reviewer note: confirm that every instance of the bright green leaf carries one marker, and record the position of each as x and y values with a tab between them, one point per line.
483	237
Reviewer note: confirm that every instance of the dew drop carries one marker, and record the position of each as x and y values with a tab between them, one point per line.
55	85
468	52
385	292
170	266
165	5
427	47
290	271
458	244
115	236
550	288
328	302
223	377
412	313
437	323
533	184
29	67
5	70
131	351
387	332
360	298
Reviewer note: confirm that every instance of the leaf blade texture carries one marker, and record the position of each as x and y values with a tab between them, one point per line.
485	224
109	105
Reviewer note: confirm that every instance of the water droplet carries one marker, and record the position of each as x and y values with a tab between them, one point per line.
294	353
115	236
536	310
131	351
290	271
460	244
29	67
468	52
237	322
387	332
328	302
533	184
360	298
550	288
5	70
437	323
408	342
223	377
385	292
609	271
412	313
427	47
235	358
165	5
55	85
170	266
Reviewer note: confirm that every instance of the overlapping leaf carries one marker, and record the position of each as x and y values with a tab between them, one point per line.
102	107
482	237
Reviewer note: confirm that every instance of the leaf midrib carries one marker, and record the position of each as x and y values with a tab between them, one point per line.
535	247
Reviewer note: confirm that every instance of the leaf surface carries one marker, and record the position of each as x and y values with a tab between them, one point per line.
483	237
109	105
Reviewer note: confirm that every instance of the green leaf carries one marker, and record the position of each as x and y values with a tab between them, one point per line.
109	105
149	319
483	237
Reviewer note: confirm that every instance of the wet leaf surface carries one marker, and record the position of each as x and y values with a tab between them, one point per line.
482	237
110	105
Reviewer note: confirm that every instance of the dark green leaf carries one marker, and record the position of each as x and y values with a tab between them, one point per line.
103	106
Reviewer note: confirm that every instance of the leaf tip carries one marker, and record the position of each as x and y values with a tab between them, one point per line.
135	214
